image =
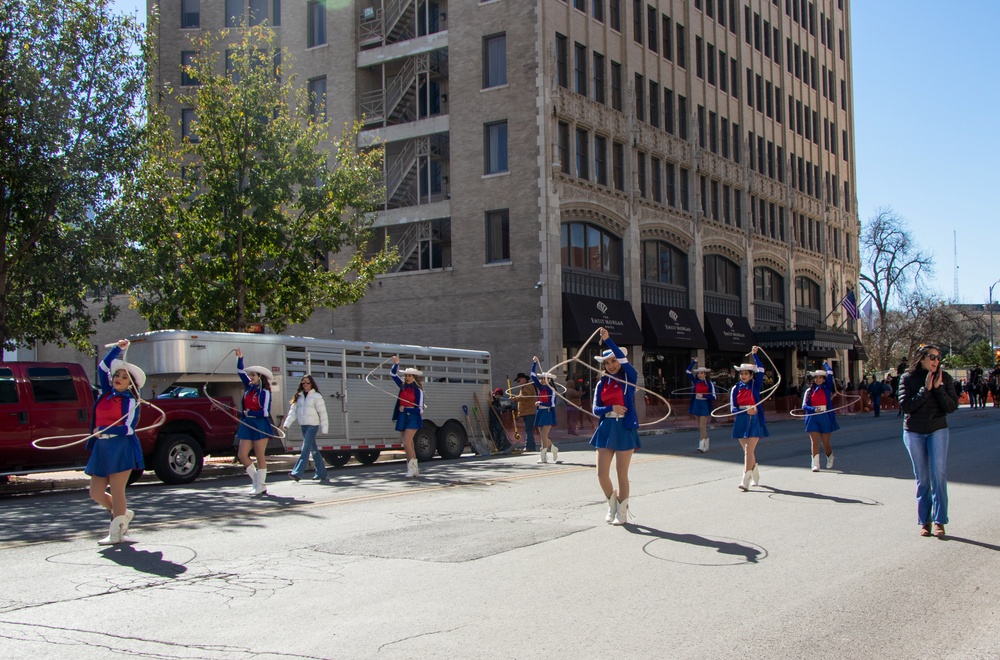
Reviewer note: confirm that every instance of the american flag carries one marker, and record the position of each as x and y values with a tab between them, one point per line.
850	303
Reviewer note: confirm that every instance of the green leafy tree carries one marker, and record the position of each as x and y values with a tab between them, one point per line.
73	75
238	221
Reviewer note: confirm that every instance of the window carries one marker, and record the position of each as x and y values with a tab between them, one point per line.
49	384
724	136
721	275
562	61
652	39
234	13
640	98
589	247
699	60
734	78
563	146
599	78
582	154
494	60
668	110
497	236
616	86
713	132
188	122
654	104
685	189
495	147
807	293
431	249
187	60
190	13
276	13
702	132
710	56
580	68
618	165
664	263
768	286
614	11
317	98
8	387
258	11
714	185
668	47
601	160
580	4
681	52
656	179
736	142
597	10
637	21
640	171
682	116
315	23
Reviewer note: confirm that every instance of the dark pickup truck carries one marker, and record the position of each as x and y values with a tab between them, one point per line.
43	399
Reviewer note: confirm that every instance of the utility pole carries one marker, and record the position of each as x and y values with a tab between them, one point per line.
992	345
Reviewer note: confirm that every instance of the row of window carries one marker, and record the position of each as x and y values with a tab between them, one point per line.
238	12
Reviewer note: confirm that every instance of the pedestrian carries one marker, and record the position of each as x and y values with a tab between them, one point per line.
525	400
497	431
545	411
255	427
821	422
926	395
894	384
749	426
574	397
115	450
702	400
309	408
408	411
617	433
970	389
876	389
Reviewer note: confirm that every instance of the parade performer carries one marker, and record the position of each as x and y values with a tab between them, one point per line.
408	411
115	450
702	398
926	396
545	411
749	425
617	434
255	427
821	421
309	408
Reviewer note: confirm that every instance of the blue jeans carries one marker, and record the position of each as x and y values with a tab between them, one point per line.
529	433
929	454
309	447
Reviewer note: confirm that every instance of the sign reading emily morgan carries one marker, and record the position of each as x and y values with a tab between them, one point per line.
584	314
671	327
728	333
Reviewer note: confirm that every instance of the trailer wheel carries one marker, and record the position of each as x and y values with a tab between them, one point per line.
425	442
367	457
336	458
178	459
451	439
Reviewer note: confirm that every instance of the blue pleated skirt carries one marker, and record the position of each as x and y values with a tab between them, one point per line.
255	428
545	417
612	434
750	426
822	423
700	407
116	454
409	419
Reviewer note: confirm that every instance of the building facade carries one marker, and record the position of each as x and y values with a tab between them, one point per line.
681	171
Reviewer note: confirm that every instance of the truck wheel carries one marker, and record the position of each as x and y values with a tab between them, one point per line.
451	439
425	442
336	458
367	457
178	459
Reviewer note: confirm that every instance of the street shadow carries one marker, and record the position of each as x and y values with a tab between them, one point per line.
959	539
144	561
748	553
836	499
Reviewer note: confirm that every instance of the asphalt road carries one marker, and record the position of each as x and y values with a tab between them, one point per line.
503	558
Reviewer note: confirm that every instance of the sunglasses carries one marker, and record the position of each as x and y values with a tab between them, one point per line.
935	357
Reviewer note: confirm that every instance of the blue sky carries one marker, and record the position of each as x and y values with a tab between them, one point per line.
926	154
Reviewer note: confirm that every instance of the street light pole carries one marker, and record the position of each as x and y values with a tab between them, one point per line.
992	346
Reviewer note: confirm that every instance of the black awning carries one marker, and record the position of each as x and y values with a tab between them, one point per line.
731	334
814	341
858	352
821	353
671	327
584	314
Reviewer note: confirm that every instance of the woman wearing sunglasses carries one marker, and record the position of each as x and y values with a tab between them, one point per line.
926	395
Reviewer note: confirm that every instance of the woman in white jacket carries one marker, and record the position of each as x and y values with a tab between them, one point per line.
308	407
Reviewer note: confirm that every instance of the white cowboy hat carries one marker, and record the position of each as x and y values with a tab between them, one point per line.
607	354
410	371
818	372
706	369
746	366
137	374
547	374
263	371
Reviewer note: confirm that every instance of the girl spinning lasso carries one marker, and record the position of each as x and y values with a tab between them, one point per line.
617	434
821	421
255	427
749	425
702	398
545	411
115	450
408	411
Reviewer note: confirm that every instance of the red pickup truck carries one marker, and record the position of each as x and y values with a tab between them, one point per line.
42	399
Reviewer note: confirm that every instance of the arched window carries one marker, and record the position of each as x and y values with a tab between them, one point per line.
768	286
588	247
722	276
663	263
807	294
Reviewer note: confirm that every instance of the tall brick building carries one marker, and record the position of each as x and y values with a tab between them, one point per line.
680	170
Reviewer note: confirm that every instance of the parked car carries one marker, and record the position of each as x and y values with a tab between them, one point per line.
44	399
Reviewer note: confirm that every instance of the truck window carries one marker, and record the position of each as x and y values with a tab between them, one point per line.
49	384
8	388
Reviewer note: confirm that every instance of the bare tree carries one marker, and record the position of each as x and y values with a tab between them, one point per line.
893	266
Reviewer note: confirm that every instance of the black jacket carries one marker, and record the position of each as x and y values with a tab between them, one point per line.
924	411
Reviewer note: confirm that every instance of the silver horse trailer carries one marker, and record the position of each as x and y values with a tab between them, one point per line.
353	377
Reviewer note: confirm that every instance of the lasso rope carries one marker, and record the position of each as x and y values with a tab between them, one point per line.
231	410
395	396
770	392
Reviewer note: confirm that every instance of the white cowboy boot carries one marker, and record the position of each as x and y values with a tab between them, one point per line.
261	482
815	463
416	467
829	461
612	508
543	455
621	516
745	483
116	533
706	446
754	476
129	515
555	453
252	473
701	446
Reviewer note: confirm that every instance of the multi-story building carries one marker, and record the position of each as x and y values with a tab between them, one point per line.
681	171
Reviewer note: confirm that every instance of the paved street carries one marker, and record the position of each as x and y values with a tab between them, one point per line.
503	558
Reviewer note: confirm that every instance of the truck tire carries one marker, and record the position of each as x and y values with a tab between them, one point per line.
367	457
336	458
425	442
178	459
451	439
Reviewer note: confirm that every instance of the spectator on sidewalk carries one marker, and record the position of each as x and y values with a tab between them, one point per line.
876	389
525	398
574	397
